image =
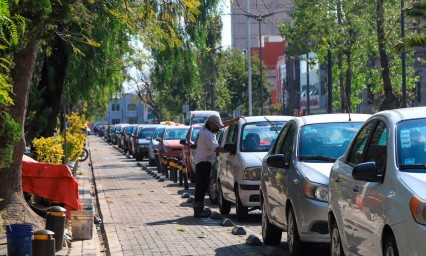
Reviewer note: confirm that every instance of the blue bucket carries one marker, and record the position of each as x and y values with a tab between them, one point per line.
19	237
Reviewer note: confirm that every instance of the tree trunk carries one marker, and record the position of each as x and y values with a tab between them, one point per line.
13	207
52	84
390	100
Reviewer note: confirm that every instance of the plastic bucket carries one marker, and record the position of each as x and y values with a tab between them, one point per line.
19	237
87	204
82	225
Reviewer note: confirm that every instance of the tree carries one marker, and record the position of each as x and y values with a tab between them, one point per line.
417	11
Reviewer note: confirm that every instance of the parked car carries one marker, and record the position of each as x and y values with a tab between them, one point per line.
153	143
246	142
120	135
188	153
377	195
294	182
143	136
128	133
169	144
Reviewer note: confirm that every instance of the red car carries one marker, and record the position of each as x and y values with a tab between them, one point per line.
188	152
170	142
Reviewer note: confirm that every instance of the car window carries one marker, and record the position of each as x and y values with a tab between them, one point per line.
357	150
376	149
145	133
194	134
175	134
258	136
411	142
219	136
287	148
280	140
158	133
230	134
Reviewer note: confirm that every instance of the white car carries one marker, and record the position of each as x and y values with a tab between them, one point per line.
377	189
294	182
247	142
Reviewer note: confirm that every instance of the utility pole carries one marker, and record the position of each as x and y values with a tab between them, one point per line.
404	79
250	96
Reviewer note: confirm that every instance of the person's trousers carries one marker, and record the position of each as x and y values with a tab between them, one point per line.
202	181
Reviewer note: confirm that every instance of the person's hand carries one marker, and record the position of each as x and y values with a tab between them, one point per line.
220	150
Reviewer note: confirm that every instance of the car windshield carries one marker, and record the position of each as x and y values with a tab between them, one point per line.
325	142
158	133
176	134
411	139
199	119
195	133
146	133
259	136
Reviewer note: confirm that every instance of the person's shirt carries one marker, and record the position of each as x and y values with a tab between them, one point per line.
206	146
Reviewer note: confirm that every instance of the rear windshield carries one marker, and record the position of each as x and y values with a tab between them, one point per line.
176	134
146	133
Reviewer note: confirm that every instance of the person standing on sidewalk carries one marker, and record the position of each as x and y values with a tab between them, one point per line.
207	148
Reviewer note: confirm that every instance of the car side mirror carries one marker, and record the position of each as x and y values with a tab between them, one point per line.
366	172
183	142
158	139
193	146
230	148
277	161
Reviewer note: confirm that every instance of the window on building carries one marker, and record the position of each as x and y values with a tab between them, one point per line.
115	107
131	107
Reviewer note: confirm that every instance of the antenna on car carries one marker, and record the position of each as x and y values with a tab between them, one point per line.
348	108
273	126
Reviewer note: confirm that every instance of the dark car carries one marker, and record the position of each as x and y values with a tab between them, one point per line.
144	134
128	132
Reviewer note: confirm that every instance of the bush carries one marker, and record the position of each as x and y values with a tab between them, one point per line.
49	149
10	133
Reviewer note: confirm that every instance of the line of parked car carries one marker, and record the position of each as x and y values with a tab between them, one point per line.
355	181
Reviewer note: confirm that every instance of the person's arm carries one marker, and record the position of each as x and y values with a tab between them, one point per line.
229	122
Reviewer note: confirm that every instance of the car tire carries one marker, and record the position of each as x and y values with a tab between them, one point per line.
271	234
139	158
293	239
242	211
224	205
390	248
213	191
336	247
151	162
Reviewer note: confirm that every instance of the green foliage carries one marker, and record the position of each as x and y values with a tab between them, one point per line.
350	33
49	150
10	132
416	33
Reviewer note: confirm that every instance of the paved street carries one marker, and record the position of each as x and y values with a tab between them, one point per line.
143	216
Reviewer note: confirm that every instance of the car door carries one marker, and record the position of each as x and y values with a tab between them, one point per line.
280	181
227	164
344	184
370	195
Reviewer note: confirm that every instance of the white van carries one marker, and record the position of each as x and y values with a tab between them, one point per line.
200	116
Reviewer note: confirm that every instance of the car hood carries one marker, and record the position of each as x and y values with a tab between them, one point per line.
172	144
252	158
416	182
316	172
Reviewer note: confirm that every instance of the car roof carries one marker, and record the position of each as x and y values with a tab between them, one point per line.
404	113
170	127
331	118
249	119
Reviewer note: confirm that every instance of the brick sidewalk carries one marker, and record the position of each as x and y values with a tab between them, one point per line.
143	216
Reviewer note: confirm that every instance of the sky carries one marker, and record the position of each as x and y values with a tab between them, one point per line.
225	5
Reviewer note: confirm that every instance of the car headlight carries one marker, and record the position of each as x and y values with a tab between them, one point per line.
252	173
315	191
167	149
418	210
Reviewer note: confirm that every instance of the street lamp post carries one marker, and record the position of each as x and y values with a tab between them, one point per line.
404	79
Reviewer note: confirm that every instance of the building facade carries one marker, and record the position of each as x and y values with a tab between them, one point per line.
127	109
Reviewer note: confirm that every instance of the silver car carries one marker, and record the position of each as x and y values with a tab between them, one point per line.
294	180
153	143
377	190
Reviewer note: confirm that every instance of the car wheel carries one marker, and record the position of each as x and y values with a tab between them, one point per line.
224	205
242	211
390	246
139	158
293	239
336	248
213	192
271	234
151	162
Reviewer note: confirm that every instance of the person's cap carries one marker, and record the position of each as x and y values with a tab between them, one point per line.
216	120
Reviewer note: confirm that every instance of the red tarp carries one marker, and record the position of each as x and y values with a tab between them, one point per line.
51	181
